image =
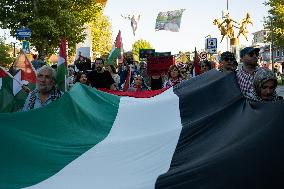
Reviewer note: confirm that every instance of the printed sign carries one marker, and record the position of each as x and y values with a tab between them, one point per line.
169	20
159	65
211	45
26	47
23	33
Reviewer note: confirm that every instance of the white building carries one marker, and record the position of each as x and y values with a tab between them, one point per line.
265	49
259	37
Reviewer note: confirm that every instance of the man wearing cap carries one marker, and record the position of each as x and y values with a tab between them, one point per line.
228	62
249	57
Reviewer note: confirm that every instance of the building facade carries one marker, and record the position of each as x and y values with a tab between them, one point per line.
266	50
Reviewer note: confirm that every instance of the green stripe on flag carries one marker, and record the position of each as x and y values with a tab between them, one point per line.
114	56
37	144
60	77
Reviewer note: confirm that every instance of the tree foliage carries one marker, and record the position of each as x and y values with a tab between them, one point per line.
140	44
277	14
101	34
5	59
49	20
183	57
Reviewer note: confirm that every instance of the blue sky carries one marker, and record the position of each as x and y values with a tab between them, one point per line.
197	21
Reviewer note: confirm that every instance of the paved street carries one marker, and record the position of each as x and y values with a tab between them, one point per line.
280	90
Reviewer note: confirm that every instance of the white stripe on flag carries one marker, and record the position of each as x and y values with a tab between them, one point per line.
18	83
61	61
17	87
0	83
138	149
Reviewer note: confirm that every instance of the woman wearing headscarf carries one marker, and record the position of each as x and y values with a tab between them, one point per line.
264	86
174	77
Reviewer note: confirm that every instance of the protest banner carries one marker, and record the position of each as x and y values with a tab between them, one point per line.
145	53
159	65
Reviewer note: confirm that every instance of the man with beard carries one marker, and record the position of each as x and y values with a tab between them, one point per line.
45	91
245	75
100	78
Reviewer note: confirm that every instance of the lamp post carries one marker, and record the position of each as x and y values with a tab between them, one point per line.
227	5
227	35
14	48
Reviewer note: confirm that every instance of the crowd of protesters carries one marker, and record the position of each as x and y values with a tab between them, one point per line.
248	76
256	83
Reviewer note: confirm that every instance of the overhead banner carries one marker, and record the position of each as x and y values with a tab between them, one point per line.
169	21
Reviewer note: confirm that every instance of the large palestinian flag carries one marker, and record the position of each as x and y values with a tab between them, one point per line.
200	134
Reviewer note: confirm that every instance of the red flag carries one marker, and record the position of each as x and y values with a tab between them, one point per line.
28	72
196	63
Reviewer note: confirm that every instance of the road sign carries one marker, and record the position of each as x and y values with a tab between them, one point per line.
203	55
23	33
211	45
26	47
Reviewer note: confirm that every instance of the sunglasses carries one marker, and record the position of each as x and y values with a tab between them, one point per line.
253	53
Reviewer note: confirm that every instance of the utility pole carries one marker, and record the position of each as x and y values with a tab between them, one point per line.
227	5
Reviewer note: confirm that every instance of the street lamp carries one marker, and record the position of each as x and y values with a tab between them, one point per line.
14	48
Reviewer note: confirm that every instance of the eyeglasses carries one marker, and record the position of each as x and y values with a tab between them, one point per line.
253	53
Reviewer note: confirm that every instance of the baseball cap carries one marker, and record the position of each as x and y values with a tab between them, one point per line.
247	50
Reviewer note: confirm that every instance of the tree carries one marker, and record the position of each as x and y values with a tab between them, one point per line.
101	34
277	16
137	45
5	59
183	57
49	20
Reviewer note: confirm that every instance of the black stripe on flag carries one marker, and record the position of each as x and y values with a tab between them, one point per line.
226	141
